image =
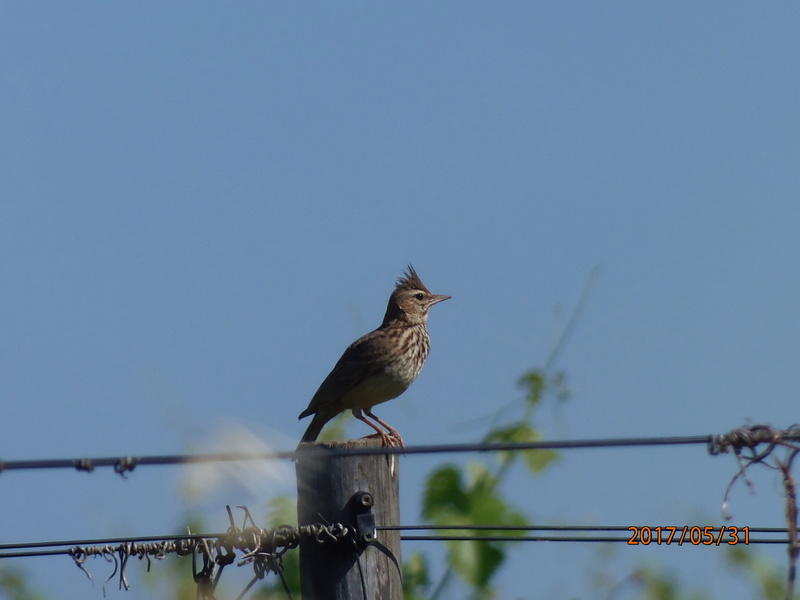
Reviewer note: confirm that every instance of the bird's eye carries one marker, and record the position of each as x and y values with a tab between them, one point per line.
419	296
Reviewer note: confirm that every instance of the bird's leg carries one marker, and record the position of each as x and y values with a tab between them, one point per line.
392	431
386	438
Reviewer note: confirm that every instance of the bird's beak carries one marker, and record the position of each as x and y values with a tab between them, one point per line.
439	298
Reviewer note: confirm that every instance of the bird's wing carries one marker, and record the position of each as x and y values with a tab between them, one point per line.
358	362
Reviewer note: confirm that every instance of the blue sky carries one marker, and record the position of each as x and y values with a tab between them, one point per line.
202	204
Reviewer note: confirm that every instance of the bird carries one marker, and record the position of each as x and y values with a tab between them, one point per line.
380	365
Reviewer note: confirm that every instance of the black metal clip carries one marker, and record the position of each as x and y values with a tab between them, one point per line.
362	503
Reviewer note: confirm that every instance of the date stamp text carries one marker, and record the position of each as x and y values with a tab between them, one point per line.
695	536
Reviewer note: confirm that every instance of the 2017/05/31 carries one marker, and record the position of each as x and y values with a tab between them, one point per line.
696	536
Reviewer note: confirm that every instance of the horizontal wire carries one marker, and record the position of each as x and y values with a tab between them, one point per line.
547	528
745	436
486	538
30	553
654	535
63	546
523	538
636	534
109	541
128	463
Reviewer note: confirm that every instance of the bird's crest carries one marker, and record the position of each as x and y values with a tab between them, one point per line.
411	281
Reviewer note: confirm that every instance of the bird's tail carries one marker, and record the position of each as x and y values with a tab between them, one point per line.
314	428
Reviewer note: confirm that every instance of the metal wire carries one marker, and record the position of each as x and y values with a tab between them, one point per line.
749	436
576	528
107	541
61	547
581	534
124	464
524	538
261	548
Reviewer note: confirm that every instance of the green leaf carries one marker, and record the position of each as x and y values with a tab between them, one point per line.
475	562
480	478
486	508
515	433
449	500
444	494
539	460
534	384
14	585
537	383
415	576
536	460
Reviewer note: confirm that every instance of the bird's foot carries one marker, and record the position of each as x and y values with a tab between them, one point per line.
390	438
396	439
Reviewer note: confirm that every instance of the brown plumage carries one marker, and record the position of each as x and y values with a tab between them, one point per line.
380	365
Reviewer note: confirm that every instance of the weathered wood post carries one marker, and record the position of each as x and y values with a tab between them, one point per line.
329	490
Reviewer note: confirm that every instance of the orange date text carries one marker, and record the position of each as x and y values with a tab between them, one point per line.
695	536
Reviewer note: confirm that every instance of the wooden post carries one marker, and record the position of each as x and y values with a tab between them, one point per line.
326	489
